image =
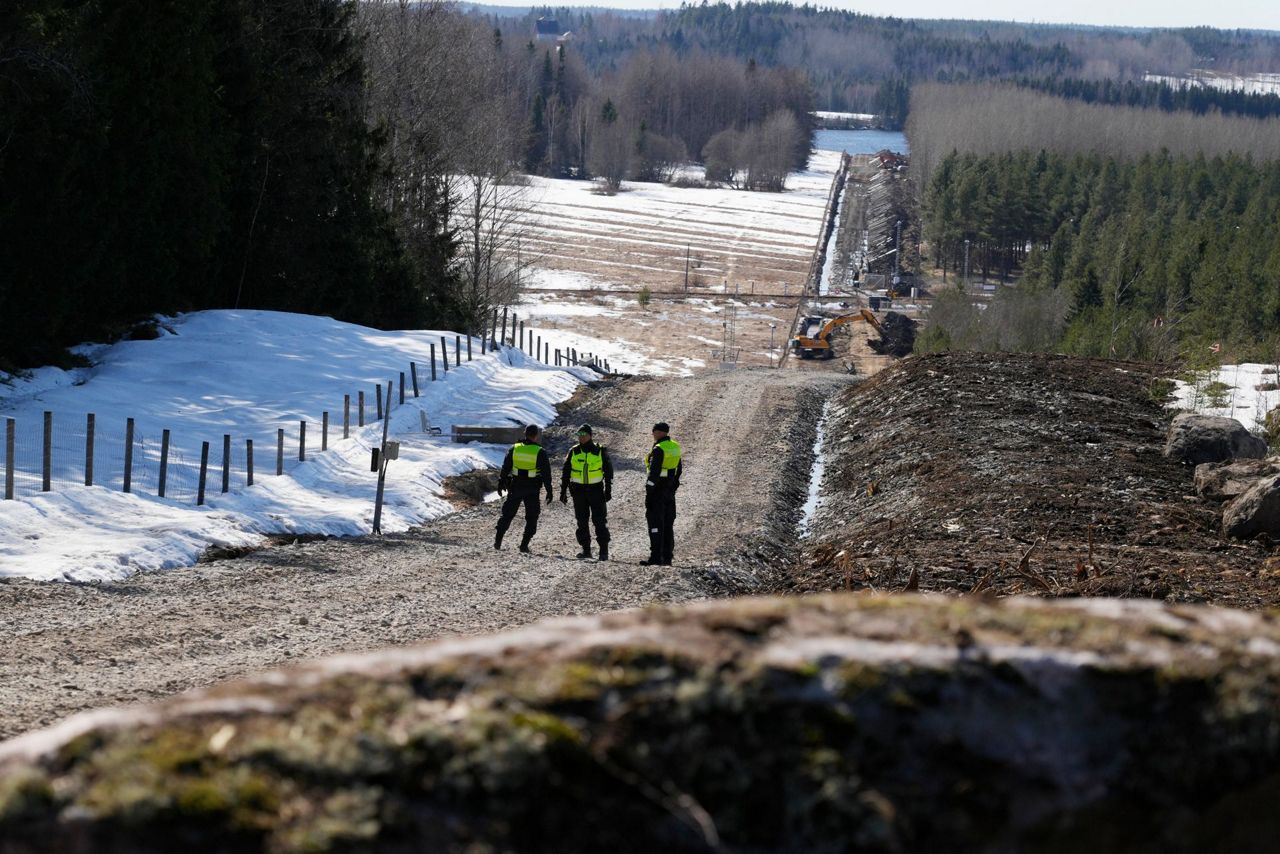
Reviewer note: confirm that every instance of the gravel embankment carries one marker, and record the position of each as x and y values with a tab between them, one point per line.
748	440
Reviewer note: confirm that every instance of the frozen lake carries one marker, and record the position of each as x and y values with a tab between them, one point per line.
860	141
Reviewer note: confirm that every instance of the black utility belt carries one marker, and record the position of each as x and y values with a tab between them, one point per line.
523	473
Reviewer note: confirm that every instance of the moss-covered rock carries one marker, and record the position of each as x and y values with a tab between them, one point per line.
832	723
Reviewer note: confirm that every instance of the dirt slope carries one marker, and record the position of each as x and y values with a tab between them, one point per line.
748	439
1020	474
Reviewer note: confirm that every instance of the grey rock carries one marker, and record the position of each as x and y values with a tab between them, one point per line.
1225	481
1199	439
1256	511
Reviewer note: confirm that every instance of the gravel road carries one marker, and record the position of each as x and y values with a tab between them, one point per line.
748	439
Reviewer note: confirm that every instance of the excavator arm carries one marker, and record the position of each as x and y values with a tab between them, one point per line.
821	341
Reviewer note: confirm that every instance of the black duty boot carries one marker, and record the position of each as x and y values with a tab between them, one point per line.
524	547
585	554
604	551
651	562
497	540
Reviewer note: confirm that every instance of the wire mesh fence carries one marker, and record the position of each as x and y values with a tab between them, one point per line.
58	450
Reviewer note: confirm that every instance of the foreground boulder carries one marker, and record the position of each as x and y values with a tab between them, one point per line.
825	723
1196	439
1225	481
1255	512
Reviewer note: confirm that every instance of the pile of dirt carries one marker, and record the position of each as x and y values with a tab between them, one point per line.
1015	473
897	336
826	723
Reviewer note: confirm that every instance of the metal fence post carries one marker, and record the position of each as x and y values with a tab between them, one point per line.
47	456
444	353
402	388
346	416
164	464
88	449
504	326
302	441
226	463
280	451
378	392
359	409
248	462
433	362
10	438
413	373
204	472
457	351
324	431
128	455
468	348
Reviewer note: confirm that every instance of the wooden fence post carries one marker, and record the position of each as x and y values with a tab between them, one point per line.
226	463
128	455
413	374
279	451
493	331
522	336
444	354
378	393
302	441
457	351
324	430
248	462
164	464
433	362
504	326
88	449
359	409
346	416
10	438
557	357
204	472
402	388
47	457
468	349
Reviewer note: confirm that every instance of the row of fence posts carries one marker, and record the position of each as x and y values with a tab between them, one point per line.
525	340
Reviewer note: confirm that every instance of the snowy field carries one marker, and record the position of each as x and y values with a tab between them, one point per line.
1254	84
1244	392
245	374
643	235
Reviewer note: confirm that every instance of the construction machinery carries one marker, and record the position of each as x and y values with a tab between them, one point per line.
813	341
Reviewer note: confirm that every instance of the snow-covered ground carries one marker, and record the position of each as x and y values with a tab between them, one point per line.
1244	392
245	374
1254	84
838	116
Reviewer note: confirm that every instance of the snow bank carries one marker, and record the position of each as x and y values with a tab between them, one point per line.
246	374
1246	393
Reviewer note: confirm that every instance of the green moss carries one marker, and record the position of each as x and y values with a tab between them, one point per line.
25	793
552	728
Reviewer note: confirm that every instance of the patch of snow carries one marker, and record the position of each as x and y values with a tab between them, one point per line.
1242	395
246	374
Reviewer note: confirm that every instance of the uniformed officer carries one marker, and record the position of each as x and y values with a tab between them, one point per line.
524	470
663	468
588	477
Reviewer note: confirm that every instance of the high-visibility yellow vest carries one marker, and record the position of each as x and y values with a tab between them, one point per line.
524	459
586	467
670	457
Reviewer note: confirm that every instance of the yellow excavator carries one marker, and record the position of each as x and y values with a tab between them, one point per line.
814	338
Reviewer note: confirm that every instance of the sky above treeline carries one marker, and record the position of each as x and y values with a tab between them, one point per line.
1224	14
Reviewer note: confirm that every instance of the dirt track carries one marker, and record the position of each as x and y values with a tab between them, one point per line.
748	438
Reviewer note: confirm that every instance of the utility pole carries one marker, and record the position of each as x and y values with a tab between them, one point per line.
686	268
965	281
772	327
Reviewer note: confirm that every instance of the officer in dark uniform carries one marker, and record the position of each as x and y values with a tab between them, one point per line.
663	466
524	470
588	477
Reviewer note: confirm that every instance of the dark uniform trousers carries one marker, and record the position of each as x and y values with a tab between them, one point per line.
522	492
589	504
660	513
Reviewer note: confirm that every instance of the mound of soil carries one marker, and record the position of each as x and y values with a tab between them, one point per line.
1015	473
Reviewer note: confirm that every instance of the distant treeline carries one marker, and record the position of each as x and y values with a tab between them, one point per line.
650	113
1132	93
1128	257
187	155
992	118
854	60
